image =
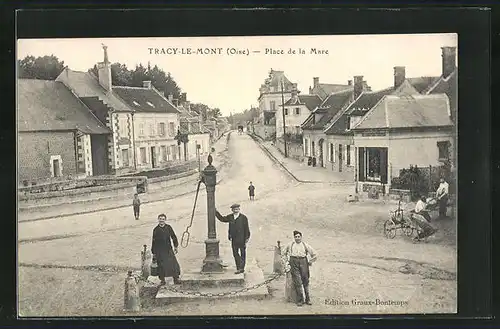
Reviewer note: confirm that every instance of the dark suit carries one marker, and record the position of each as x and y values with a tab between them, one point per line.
238	233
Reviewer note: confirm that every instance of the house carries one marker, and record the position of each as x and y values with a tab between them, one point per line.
339	135
142	120
211	125
314	136
57	134
401	130
275	91
191	123
323	90
297	110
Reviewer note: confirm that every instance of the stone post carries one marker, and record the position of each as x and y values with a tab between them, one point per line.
212	262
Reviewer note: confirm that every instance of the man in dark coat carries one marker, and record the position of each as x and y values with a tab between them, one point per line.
161	248
239	233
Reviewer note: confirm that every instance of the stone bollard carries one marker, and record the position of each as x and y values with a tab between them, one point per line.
132	302
154	266
145	262
278	263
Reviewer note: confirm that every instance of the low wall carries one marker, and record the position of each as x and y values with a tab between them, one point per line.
265	132
295	150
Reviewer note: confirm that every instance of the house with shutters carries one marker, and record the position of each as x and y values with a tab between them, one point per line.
57	134
408	129
297	110
191	123
142	120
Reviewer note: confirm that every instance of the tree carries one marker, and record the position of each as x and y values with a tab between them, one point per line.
162	81
42	68
201	109
214	113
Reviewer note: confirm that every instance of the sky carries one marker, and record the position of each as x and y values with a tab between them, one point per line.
229	77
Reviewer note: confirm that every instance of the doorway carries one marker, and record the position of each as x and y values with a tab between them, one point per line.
153	157
56	167
320	146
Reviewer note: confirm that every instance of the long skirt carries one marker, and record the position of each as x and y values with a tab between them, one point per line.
168	265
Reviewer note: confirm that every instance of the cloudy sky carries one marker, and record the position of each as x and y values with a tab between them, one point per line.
231	81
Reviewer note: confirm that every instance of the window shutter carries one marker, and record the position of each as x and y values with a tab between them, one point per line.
361	164
383	165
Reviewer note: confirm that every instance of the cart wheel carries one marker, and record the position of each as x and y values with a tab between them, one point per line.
408	231
389	229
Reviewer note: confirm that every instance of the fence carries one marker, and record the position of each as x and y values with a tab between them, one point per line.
424	180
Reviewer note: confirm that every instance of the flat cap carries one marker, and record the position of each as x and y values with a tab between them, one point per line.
236	205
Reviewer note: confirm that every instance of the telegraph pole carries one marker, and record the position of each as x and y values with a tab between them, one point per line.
283	115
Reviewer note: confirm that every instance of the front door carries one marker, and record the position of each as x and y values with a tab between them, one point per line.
340	157
153	157
320	146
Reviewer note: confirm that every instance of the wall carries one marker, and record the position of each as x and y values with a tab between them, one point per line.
36	148
315	136
264	131
343	140
295	150
293	120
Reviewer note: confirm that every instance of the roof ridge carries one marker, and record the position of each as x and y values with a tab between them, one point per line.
370	112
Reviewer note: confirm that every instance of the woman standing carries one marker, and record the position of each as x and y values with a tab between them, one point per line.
161	248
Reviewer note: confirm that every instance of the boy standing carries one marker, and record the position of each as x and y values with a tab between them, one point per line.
251	191
136	203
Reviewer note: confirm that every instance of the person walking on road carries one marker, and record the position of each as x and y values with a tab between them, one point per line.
251	191
300	256
161	248
136	203
238	234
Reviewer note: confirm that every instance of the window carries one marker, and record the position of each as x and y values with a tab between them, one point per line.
348	155
135	103
151	129
373	164
332	157
143	155
56	165
125	159
444	150
161	128
163	153
272	105
150	104
168	154
141	129
174	152
171	129
286	111
313	150
297	111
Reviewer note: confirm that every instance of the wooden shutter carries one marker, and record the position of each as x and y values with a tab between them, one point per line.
383	165
361	164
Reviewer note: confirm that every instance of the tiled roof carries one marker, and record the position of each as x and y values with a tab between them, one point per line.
310	101
325	89
145	100
408	112
84	84
50	105
329	108
447	86
276	78
422	83
369	99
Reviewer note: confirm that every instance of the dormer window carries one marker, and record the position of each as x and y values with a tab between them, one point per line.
135	103
150	104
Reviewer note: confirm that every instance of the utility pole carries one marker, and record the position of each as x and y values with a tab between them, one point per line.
283	115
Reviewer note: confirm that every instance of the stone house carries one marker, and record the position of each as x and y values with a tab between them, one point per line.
297	110
57	134
191	123
142	120
401	130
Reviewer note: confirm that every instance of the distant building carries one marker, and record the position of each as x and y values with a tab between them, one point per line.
323	90
191	123
57	134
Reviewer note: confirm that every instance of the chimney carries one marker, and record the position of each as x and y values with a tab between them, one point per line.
358	85
147	84
399	76
315	81
448	55
349	82
104	71
170	98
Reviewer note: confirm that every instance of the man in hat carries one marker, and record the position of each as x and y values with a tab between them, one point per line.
161	248
300	256
239	233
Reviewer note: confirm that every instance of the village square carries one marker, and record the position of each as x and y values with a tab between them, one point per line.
339	165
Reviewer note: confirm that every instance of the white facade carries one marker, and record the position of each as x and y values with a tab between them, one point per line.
295	115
